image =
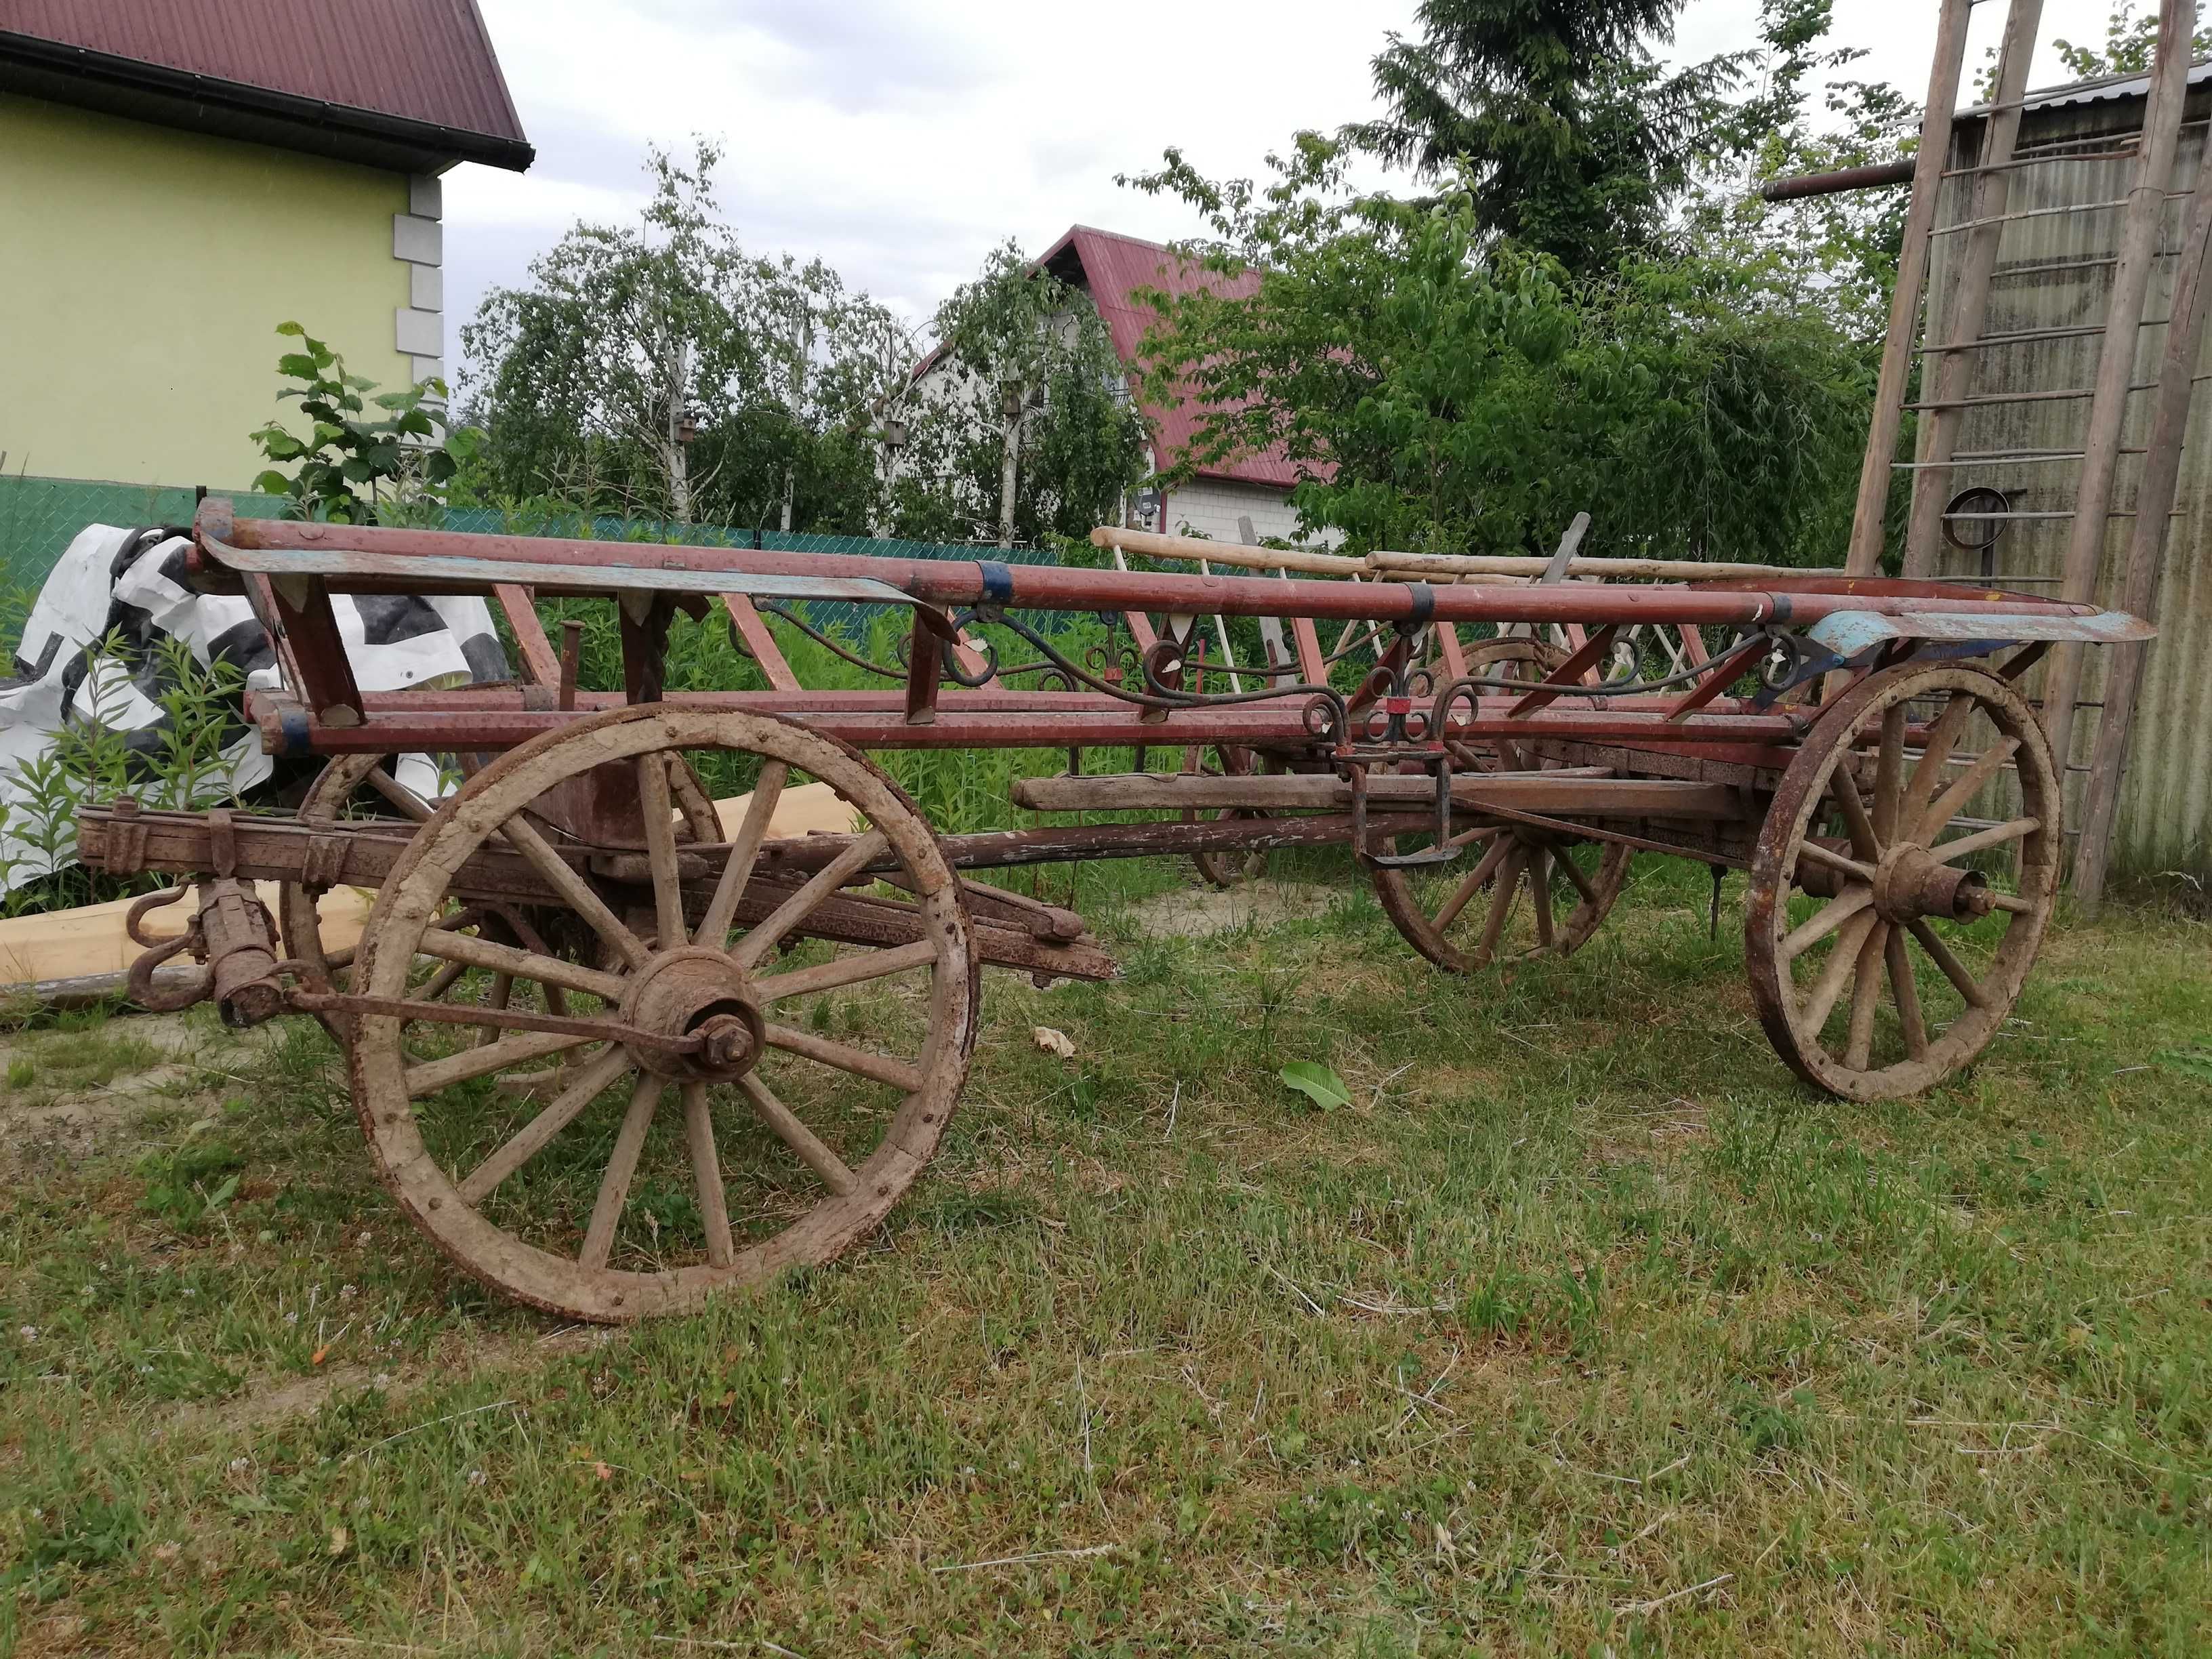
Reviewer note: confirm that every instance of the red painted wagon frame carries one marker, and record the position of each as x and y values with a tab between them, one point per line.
1829	778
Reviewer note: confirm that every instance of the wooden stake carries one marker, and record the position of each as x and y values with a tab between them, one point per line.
2138	255
2193	298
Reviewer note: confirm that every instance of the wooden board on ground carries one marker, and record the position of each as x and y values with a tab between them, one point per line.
79	944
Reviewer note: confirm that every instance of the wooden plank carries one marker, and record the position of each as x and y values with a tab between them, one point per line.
1108	537
301	615
2146	545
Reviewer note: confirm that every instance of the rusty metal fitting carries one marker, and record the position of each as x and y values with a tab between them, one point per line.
731	1042
239	940
124	853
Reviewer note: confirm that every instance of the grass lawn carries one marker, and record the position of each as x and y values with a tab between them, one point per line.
1584	1328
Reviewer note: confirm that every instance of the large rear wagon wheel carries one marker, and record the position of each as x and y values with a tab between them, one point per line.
611	1181
1887	941
1225	869
1515	891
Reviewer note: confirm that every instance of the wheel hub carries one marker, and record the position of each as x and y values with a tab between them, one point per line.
697	991
1910	884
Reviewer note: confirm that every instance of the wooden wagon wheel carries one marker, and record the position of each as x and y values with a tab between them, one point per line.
1569	886
1831	918
1227	869
640	1180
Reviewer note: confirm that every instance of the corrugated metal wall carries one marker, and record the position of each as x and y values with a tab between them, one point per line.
2165	816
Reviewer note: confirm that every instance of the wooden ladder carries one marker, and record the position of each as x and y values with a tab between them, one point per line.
1952	347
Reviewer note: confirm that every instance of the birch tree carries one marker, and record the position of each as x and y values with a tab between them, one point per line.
629	339
1031	413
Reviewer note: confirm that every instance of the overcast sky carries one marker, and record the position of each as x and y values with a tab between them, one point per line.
901	139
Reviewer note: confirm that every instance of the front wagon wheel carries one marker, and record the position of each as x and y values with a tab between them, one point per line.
611	1179
1887	938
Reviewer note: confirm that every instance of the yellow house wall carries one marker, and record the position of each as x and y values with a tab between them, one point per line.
142	274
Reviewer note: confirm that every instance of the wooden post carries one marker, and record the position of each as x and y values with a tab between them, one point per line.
2138	595
1952	371
2138	255
1912	270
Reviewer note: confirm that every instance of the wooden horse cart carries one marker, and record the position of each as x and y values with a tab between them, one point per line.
613	1054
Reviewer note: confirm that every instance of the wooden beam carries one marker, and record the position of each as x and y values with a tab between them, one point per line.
1962	319
1576	791
1943	79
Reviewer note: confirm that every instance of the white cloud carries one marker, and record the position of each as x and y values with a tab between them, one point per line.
901	139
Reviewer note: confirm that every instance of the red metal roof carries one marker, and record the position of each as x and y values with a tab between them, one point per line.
429	61
1113	268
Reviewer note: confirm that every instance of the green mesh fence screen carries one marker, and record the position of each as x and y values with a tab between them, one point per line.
39	517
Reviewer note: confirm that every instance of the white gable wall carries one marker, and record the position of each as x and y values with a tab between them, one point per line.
1210	506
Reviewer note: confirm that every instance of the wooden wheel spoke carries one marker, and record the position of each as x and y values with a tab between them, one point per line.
1961	977
478	953
796	1135
1846	790
409	803
434	988
1828	858
1573	872
1824	921
1996	836
1906	992
1539	894
1948	805
706	1173
622	1166
433	1075
882	1068
596	1076
1484	868
503	992
1481	832
1866	997
660	813
738	869
1503	895
770	933
1942	738
1889	772
575	889
845	970
1836	972
691	800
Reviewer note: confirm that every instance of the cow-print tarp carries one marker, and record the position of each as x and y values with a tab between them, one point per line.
126	587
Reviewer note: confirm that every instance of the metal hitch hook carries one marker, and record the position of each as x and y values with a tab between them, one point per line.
1442	853
140	979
